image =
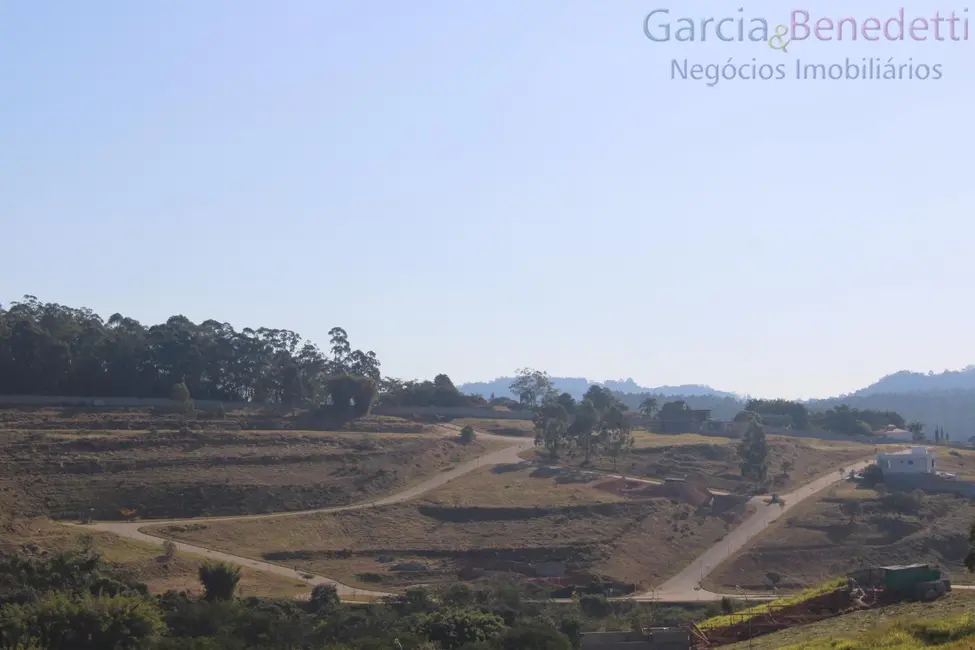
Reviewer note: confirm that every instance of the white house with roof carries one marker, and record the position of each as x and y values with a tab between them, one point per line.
916	460
894	433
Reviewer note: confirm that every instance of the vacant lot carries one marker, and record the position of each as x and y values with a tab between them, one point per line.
644	439
144	562
862	625
501	427
794	461
522	485
956	461
205	469
849	528
503	519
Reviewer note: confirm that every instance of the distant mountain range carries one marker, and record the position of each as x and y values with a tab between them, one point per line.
904	381
577	386
945	399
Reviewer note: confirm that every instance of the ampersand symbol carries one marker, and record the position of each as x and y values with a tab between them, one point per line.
778	41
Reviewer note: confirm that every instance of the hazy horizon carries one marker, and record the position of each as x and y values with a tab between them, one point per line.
470	189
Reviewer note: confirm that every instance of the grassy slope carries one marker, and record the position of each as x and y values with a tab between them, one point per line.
745	614
164	474
142	561
904	626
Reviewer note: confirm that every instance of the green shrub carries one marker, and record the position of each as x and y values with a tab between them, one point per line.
595	606
219	580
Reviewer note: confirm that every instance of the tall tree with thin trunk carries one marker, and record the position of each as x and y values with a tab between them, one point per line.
551	424
583	433
649	406
615	431
754	453
532	387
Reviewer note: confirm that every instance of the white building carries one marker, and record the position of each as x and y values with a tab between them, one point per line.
917	460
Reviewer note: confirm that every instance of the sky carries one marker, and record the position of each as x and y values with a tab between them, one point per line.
472	188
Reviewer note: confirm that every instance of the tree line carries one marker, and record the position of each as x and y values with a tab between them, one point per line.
595	425
839	419
52	349
73	600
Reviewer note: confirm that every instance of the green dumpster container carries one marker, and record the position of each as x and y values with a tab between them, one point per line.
905	578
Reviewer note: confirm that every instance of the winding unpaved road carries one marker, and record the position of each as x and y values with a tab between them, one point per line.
132	530
683	587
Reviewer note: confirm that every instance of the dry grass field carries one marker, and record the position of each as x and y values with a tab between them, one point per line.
209	468
504	518
827	537
646	440
957	461
522	485
130	463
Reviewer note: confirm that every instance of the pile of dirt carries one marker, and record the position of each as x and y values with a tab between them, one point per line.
692	489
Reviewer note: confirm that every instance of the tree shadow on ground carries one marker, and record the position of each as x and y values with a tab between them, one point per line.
504	468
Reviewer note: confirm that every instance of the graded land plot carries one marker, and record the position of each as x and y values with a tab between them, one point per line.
905	625
960	462
793	461
847	528
206	469
442	539
520	485
498	426
644	440
143	562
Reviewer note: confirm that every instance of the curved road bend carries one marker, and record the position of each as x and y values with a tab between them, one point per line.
683	587
132	530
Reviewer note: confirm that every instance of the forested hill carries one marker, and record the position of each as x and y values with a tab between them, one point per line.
916	382
50	349
952	409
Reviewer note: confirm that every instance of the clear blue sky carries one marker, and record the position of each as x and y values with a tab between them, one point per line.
474	187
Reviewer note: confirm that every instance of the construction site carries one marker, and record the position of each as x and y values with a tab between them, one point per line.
691	490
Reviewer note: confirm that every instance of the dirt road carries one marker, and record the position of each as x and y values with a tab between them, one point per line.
684	587
132	530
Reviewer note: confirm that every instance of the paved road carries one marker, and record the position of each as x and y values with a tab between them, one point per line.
685	586
509	454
